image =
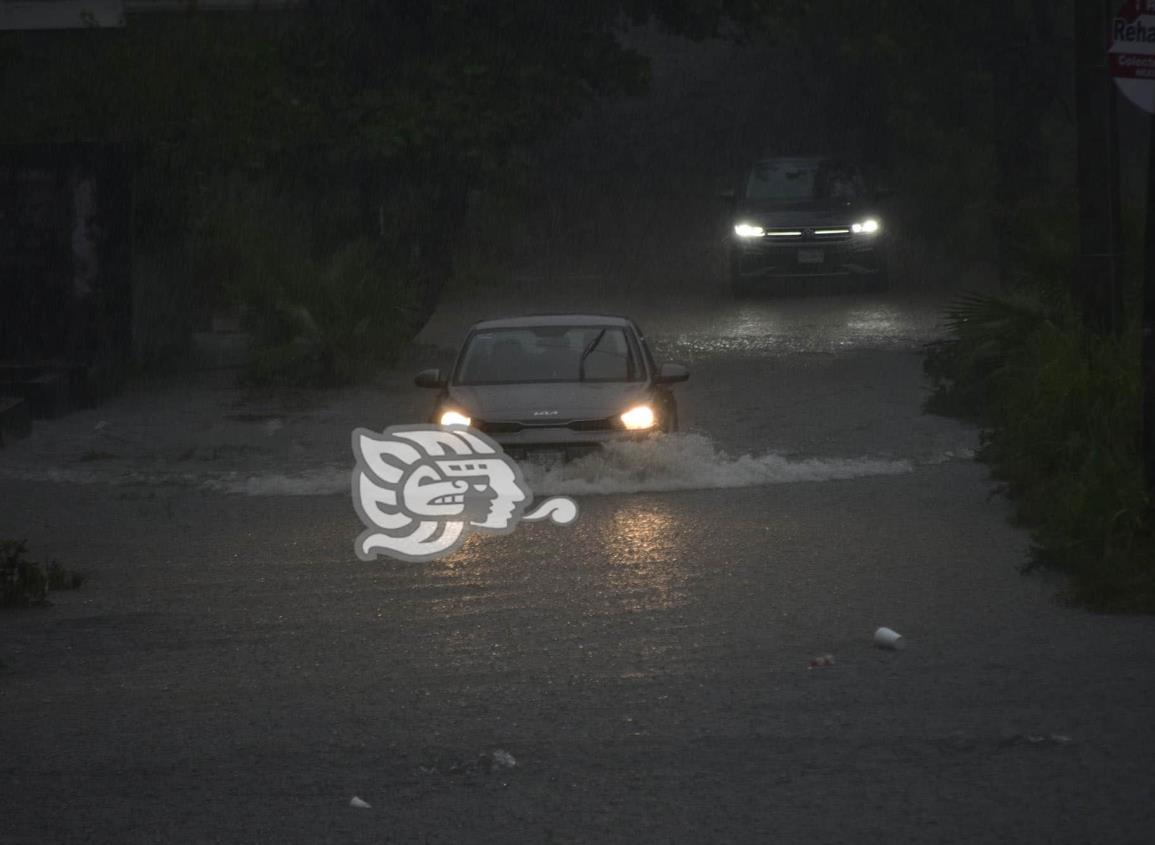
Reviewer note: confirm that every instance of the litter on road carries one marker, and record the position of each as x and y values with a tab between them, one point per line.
503	760
886	638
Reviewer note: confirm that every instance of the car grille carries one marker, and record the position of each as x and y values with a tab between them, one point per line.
514	426
609	424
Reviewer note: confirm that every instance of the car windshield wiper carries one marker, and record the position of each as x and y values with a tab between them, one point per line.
590	347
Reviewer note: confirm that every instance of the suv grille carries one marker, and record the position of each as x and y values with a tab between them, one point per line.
809	234
829	233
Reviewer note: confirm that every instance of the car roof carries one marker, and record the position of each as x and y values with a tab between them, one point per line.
532	320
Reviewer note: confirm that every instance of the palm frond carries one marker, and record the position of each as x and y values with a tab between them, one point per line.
979	313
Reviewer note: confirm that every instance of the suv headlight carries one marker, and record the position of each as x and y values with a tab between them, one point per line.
748	230
869	226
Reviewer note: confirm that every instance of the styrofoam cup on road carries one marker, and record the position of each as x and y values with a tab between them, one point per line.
886	638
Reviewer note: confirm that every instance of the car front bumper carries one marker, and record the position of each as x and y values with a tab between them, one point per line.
530	439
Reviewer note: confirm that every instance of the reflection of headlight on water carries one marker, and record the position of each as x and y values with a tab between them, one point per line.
454	418
645	546
639	418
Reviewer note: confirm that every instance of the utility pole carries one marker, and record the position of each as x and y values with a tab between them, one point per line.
1148	363
1132	62
1097	278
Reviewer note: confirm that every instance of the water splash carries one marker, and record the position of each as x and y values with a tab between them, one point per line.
692	462
676	462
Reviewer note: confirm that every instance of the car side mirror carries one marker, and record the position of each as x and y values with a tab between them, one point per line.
429	378
671	374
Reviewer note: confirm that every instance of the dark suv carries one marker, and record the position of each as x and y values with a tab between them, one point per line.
808	217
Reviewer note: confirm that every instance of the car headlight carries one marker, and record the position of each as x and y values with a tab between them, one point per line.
638	418
748	230
869	226
454	418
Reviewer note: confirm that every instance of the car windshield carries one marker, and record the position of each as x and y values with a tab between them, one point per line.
548	354
802	179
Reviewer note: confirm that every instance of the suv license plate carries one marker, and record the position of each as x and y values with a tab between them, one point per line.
810	256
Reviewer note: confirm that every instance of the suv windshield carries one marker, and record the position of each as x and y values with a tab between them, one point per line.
802	179
549	354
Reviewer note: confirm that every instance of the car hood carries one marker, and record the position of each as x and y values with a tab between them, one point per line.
810	213
525	402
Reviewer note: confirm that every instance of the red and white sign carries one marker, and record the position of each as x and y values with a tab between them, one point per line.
1131	57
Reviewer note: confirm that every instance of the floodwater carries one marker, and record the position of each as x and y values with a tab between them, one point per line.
231	672
780	391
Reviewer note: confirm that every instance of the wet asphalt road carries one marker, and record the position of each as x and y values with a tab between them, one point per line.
233	674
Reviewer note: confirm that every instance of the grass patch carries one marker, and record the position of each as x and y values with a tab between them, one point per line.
27	583
1060	410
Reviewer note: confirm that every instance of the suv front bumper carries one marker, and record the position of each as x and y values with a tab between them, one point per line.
766	257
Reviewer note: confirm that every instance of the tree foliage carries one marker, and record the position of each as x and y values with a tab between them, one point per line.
967	104
379	115
382	114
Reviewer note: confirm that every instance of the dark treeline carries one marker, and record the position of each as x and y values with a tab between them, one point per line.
339	141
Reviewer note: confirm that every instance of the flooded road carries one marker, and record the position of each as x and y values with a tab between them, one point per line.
233	673
780	390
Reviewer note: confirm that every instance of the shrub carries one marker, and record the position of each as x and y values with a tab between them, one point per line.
1060	407
24	582
984	332
332	322
326	308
